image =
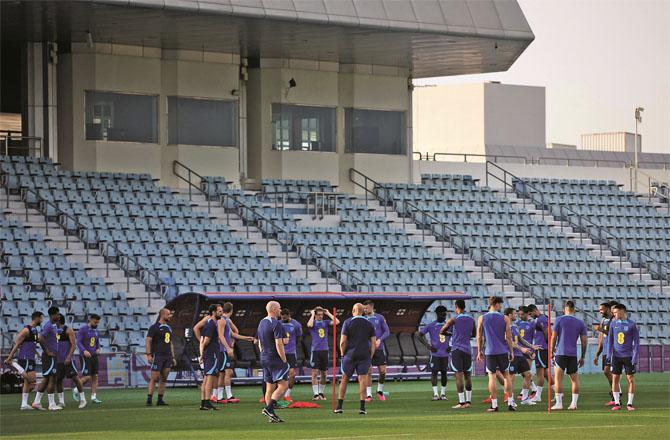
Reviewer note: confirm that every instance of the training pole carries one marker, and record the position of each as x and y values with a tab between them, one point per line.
549	358
334	399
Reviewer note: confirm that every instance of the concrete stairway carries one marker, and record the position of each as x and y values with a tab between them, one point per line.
599	251
95	265
277	253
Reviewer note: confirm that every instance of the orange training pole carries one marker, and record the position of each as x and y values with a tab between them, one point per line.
334	399
549	357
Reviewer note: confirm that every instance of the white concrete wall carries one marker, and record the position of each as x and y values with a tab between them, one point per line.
514	115
134	69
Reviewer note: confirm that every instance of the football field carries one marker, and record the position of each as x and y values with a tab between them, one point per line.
408	413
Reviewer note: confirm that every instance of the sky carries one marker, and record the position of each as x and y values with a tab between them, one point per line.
598	59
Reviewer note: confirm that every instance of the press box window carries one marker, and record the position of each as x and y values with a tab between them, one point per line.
121	117
375	131
303	128
193	121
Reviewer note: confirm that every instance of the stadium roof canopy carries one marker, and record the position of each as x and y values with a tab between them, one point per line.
429	37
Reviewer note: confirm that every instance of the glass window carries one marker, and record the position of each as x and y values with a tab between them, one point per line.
121	117
303	128
375	131
193	121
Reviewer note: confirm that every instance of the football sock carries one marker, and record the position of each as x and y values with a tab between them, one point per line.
510	399
229	391
524	394
271	406
461	397
340	402
630	398
468	395
38	398
559	398
24	399
617	397
160	397
380	387
315	389
494	403
288	392
52	399
443	390
575	397
369	391
533	387
363	405
435	391
538	396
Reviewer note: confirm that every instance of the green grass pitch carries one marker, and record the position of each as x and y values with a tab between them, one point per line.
408	413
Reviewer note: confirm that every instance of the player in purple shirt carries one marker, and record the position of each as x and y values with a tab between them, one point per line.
439	351
228	334
318	360
26	345
270	335
527	332
495	328
566	332
519	364
65	363
462	328
88	342
357	347
605	310
160	355
49	342
541	338
206	332
379	359
624	350
293	335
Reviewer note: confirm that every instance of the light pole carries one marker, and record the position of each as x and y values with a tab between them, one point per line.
638	120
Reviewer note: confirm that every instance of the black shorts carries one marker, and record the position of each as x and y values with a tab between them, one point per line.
89	366
161	362
275	371
541	358
439	364
319	360
461	362
379	358
568	364
48	365
497	362
623	364
225	361
605	362
291	360
66	371
28	365
519	365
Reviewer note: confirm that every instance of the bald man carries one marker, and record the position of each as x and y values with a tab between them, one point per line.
160	355
357	346
273	359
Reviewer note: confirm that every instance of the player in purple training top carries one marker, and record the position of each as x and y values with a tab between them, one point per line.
65	363
160	355
206	332
357	347
293	335
605	310
526	327
624	351
49	343
495	328
88	342
438	345
26	345
566	332
319	329
541	339
462	328
519	364
270	336
379	359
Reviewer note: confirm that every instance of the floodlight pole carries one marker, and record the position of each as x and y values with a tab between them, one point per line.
638	120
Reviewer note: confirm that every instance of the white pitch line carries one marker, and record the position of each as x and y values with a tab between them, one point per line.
591	427
359	436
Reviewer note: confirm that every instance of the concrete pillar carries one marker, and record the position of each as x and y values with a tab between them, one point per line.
40	97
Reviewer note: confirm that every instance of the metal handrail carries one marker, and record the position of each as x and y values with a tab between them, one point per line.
582	220
650	180
444	237
326	198
466	155
8	138
80	229
275	225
